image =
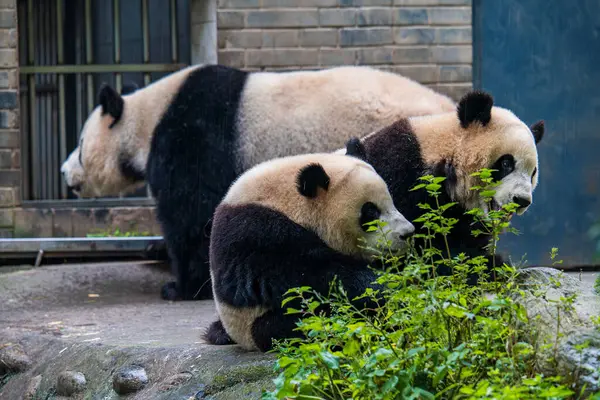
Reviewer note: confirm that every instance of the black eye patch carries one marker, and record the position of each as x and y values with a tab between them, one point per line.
368	213
503	166
80	151
534	172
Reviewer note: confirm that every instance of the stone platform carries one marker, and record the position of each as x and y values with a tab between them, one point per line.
97	319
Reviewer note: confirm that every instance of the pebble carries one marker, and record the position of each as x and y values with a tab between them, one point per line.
174	380
13	359
32	388
129	379
69	383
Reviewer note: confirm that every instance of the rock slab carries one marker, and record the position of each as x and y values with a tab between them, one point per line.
129	379
70	383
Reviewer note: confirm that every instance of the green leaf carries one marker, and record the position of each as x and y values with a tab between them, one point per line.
330	360
390	384
455	311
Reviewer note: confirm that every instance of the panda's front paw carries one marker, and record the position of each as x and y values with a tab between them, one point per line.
169	292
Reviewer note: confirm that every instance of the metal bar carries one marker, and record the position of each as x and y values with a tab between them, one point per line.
49	131
43	99
92	203
79	246
31	84
117	42
41	166
146	39
61	94
88	54
174	31
99	68
24	103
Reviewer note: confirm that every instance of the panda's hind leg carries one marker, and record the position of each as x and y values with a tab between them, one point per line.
216	334
274	325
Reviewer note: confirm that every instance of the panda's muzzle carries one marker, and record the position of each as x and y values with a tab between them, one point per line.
407	235
75	188
522	202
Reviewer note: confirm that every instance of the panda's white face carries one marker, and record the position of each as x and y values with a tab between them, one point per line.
513	160
355	199
109	147
483	136
517	175
73	173
396	228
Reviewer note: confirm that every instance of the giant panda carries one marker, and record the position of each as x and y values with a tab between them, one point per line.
454	145
191	133
291	222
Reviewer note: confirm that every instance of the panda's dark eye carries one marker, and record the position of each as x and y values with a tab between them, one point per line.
368	213
503	166
533	174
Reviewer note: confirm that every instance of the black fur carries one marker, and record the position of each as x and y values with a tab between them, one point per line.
475	106
216	334
190	167
129	88
112	103
369	212
538	129
310	179
256	265
503	167
129	170
355	148
396	155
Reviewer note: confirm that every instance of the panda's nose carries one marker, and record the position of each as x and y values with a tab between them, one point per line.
521	201
407	235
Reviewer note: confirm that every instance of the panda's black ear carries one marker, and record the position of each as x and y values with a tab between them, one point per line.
538	130
112	103
310	179
475	106
355	148
129	88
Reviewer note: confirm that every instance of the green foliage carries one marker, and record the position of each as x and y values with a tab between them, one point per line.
431	337
117	233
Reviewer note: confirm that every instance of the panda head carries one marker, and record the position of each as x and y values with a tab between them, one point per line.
101	165
480	135
331	195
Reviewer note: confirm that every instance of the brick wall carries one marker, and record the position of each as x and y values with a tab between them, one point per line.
427	40
10	168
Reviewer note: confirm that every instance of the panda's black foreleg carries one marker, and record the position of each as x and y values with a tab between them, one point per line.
198	285
170	290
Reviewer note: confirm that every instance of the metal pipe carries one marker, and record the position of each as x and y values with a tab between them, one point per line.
146	39
99	68
61	94
43	100
117	42
174	31
31	87
79	246
24	103
88	54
